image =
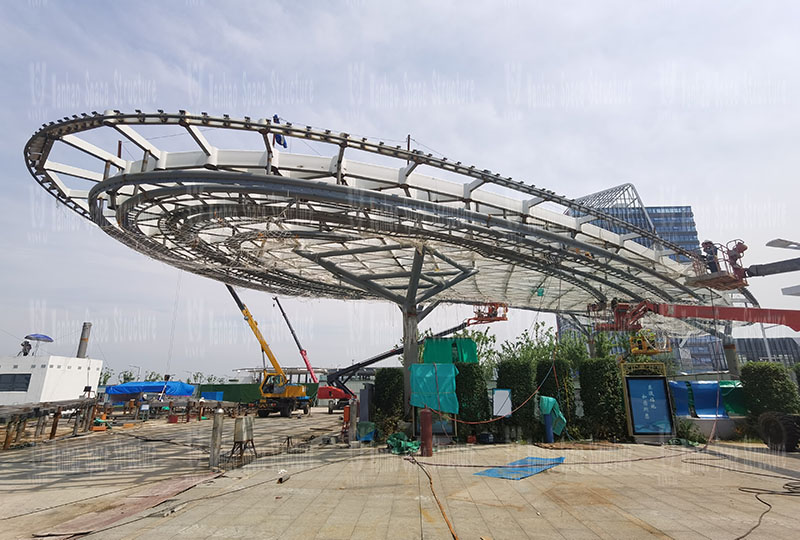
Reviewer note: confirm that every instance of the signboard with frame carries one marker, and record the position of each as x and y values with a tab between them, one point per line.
649	406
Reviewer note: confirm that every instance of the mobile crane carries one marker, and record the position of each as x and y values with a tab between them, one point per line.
277	395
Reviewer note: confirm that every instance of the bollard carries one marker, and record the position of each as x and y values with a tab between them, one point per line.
216	439
11	428
77	417
353	431
39	426
548	428
426	432
20	429
88	418
56	417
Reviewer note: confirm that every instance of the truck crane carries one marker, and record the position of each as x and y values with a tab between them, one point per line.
277	395
303	352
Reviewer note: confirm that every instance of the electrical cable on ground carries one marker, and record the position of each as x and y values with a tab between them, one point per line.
76	501
435	496
790	489
217	495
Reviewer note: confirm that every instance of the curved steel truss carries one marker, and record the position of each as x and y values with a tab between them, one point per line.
325	225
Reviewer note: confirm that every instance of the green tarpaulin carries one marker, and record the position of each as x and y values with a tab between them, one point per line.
447	351
732	394
549	405
249	393
237	393
311	391
434	386
398	443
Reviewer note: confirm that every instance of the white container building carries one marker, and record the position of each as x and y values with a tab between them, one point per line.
36	379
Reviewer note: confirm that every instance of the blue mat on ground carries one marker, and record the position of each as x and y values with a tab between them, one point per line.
706	403
523	468
680	397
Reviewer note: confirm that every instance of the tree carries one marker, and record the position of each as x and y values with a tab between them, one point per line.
516	371
767	386
152	376
106	375
602	345
572	349
196	378
125	376
487	355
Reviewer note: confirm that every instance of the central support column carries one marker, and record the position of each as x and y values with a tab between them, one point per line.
410	327
410	353
384	285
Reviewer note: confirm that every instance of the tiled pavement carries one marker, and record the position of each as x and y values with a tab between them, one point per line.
632	491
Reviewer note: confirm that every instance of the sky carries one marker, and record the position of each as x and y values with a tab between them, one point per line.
693	102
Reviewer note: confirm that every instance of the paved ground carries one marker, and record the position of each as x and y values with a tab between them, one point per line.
631	491
41	484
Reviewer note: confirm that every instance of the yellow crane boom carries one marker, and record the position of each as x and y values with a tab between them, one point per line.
254	327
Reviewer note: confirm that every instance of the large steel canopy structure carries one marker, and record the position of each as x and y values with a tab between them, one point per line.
360	219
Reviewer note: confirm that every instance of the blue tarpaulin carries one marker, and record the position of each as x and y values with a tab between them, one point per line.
174	388
523	468
708	399
680	397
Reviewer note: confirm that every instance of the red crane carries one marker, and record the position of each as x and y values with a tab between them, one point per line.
296	340
627	317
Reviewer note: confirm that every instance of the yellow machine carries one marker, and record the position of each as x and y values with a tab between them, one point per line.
277	395
644	343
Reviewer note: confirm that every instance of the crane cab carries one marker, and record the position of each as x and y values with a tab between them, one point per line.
278	395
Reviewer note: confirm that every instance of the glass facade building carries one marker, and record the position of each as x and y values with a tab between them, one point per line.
672	223
784	349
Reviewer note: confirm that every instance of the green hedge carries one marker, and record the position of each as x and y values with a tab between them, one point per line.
603	402
473	397
389	392
518	375
769	387
565	391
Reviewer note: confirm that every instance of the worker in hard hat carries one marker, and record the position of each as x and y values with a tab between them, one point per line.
710	251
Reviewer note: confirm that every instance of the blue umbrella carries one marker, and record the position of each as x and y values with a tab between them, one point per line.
39	337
